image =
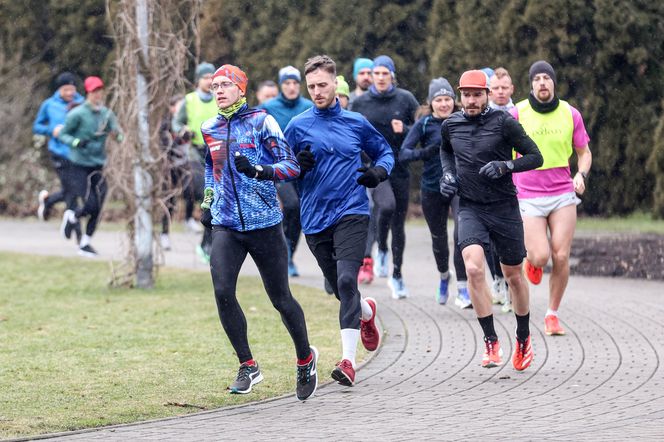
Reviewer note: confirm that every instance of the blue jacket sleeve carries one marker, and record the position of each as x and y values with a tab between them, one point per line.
375	145
285	166
40	125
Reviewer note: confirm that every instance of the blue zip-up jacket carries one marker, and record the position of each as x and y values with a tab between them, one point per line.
426	133
242	203
330	191
52	113
283	110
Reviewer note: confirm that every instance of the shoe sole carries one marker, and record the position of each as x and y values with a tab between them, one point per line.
315	351
492	364
341	377
254	381
555	333
63	227
42	205
87	254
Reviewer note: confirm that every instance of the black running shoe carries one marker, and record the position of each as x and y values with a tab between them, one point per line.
328	287
247	376
87	251
307	377
68	225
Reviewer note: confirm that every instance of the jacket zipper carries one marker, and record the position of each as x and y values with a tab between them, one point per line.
230	170
262	198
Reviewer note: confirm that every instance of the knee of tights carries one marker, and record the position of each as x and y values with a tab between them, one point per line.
347	282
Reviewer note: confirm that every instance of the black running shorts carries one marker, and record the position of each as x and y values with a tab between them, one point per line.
498	223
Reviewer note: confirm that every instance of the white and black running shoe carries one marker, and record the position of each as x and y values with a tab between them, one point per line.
247	376
307	377
87	251
69	223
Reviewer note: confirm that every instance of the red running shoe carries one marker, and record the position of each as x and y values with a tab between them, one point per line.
368	330
366	274
552	326
493	354
523	354
534	274
344	373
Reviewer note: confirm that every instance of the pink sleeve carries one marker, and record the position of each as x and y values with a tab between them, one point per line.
580	137
515	113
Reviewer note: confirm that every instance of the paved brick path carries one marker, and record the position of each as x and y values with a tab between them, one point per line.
603	381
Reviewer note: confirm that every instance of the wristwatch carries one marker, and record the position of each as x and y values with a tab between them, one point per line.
584	175
510	165
259	170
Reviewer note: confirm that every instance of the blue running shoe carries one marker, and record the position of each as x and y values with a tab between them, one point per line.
443	292
398	288
380	267
463	298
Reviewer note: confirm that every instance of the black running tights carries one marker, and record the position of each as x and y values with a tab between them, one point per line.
268	250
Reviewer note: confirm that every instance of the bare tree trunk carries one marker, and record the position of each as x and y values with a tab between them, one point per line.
142	179
152	44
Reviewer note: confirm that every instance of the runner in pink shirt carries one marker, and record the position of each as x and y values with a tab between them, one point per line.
547	195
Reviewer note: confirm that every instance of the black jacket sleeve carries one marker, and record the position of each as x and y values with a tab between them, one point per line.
531	158
446	152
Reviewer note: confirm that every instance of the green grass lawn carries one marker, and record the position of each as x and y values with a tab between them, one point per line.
635	223
76	354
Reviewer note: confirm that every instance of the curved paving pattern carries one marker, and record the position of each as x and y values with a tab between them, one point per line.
602	381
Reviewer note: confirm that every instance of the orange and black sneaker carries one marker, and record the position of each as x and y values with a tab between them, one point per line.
534	274
552	326
493	354
523	354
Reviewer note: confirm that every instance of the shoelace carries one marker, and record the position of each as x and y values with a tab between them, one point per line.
243	372
490	346
303	373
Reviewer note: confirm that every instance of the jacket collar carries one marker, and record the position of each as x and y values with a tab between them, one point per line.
331	111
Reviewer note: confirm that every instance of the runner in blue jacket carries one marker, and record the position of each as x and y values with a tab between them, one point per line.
328	141
50	120
245	154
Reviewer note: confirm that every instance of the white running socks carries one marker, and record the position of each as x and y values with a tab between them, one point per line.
366	310
349	340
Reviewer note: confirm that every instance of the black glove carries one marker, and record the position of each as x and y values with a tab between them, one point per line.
243	165
371	176
448	185
496	169
306	160
206	218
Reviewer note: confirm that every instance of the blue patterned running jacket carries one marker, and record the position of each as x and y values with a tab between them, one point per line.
242	203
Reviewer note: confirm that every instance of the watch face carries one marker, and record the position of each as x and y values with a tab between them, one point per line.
258	168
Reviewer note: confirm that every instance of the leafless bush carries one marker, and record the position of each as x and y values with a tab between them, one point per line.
172	28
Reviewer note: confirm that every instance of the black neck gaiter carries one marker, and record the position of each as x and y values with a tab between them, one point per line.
543	108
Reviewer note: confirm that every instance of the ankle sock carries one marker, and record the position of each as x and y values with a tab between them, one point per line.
487	327
306	360
550	312
367	313
250	362
522	326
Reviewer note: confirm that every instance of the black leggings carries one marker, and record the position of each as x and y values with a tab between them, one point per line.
436	208
290	202
390	210
268	250
63	168
89	184
339	250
